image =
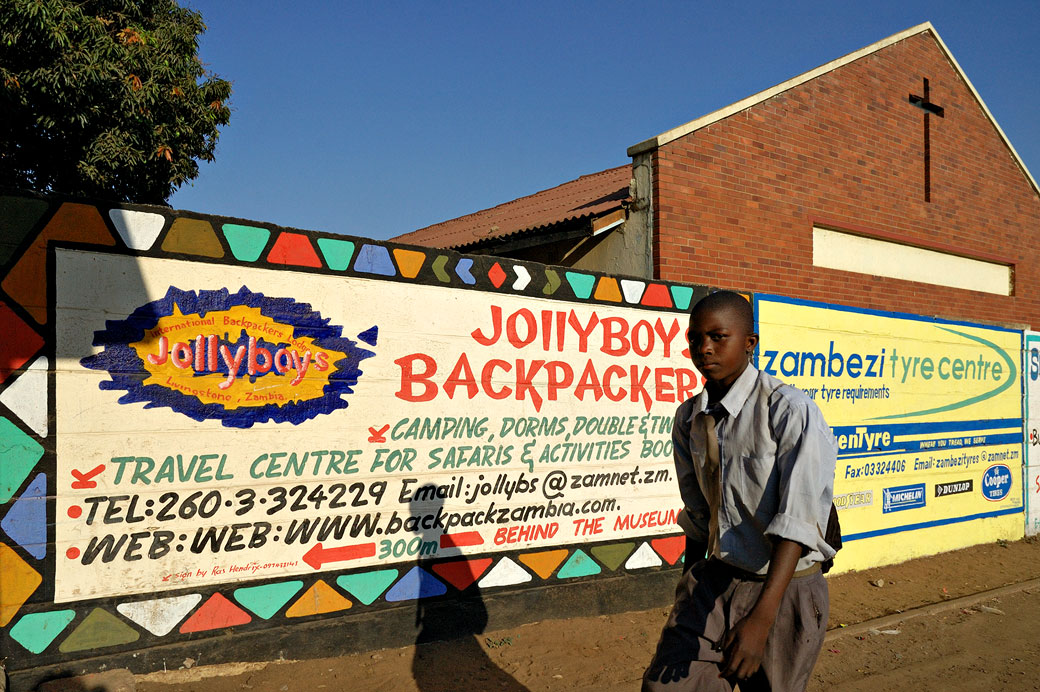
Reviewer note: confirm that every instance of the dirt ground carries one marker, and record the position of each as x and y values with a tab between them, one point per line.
972	643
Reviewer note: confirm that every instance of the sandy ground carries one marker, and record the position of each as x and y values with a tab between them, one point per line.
977	643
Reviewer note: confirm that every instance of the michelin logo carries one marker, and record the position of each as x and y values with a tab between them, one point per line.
903	497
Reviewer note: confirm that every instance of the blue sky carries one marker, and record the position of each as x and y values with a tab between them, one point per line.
378	118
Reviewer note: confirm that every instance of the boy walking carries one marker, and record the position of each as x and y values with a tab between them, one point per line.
755	462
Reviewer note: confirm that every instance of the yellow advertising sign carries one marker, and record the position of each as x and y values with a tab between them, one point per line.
927	415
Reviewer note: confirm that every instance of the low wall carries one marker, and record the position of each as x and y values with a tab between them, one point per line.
223	440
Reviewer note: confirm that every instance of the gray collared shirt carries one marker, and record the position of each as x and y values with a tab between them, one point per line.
777	457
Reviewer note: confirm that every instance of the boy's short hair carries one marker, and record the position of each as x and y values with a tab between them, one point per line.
728	300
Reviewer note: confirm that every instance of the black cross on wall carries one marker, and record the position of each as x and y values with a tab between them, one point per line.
929	108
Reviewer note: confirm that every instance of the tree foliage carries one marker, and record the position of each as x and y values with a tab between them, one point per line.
105	98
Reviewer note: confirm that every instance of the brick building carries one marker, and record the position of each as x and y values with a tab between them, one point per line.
879	180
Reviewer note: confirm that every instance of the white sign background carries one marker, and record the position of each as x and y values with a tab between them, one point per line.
613	458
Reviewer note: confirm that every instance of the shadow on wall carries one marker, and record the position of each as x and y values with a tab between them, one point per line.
462	664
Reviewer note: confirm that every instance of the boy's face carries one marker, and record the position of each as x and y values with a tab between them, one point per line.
720	345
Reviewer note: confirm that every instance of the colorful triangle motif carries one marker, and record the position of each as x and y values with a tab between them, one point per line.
160	615
192	237
418	583
19	454
246	242
657	295
36	631
294	249
26	521
138	229
320	598
337	252
26	282
19	581
99	629
216	613
670	548
608	290
462	573
367	586
20	342
505	573
374	259
612	555
27	396
409	262
682	295
643	558
267	599
544	563
579	565
581	284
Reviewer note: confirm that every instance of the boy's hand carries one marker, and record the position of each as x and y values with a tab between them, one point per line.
745	644
743	647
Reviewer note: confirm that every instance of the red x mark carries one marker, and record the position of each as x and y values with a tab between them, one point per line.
378	435
83	478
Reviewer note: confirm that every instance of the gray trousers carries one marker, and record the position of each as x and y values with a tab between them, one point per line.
711	598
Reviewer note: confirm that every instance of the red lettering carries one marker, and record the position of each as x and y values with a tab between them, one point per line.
461	376
532	328
618	395
496	322
487	376
301	366
560	377
687	383
211	353
523	382
636	346
410	378
181	355
638	380
614	330
583	330
233	364
159	357
667	336
253	364
282	361
547	316
664	386
589	381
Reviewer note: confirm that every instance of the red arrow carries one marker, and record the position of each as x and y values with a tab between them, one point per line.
83	477
317	556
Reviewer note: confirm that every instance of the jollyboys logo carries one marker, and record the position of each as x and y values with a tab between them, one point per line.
241	358
996	482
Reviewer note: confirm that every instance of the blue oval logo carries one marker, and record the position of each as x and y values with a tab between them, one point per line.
996	482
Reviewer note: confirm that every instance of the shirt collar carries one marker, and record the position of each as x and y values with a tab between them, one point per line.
735	398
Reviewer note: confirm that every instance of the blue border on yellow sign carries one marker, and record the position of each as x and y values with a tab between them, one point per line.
869	311
929	524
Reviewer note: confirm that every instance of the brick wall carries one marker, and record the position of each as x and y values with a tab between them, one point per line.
735	202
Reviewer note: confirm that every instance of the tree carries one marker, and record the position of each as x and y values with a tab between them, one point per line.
105	98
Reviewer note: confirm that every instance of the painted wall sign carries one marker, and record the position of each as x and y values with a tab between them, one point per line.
240	358
1031	376
283	424
926	414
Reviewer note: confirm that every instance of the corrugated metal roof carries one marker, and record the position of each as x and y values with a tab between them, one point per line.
589	196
